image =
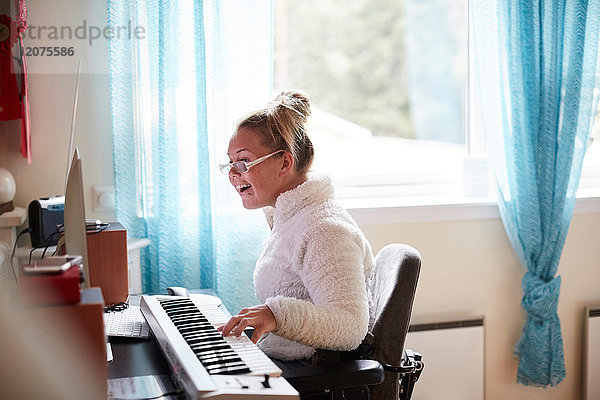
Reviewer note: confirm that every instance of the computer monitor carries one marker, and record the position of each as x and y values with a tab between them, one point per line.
75	230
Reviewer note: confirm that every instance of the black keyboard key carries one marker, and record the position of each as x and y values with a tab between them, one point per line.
205	341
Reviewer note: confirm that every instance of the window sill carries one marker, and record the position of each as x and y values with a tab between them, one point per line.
381	211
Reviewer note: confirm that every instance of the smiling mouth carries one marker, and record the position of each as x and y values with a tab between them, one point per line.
242	188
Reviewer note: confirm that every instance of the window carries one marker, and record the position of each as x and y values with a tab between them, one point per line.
387	82
589	184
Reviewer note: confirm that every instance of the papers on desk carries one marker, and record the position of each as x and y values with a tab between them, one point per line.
141	387
109	355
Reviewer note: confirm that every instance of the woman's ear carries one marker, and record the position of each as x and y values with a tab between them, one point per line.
287	165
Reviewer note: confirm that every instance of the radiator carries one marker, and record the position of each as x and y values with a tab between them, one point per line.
591	353
453	356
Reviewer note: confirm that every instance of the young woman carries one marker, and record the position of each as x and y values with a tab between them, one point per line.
312	274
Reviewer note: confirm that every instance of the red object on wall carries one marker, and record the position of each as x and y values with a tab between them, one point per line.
25	132
21	18
10	104
14	93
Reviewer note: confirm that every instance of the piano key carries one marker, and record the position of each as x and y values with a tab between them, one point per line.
196	322
169	303
177	307
224	353
195	326
198	339
233	365
199	330
185	322
211	341
179	312
197	348
191	320
219	360
199	326
172	300
174	307
211	355
178	303
230	371
203	337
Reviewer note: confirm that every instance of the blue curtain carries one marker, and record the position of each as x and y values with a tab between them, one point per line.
537	70
160	138
176	93
239	53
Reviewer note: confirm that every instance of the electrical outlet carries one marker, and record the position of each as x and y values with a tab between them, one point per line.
103	199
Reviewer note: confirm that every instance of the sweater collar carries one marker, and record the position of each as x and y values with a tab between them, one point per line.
316	189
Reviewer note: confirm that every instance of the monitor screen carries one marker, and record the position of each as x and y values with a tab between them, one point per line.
75	231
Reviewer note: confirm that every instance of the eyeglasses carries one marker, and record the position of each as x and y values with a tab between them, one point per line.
241	167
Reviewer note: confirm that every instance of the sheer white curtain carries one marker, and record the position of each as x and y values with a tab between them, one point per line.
239	53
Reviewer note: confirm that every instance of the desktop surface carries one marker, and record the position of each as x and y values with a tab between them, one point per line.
136	358
140	364
139	357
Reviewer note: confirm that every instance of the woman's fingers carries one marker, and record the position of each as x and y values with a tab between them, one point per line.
243	324
259	317
229	325
256	335
265	322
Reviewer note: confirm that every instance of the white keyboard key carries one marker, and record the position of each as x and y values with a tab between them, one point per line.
127	323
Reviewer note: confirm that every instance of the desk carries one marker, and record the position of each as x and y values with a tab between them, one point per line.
136	358
144	361
134	246
54	352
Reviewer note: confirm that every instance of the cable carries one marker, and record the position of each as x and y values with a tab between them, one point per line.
61	229
12	255
46	243
95	230
45	249
59	245
116	307
4	255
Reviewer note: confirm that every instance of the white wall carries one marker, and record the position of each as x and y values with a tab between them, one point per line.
51	89
469	268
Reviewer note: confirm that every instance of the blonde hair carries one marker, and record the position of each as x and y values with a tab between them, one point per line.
282	126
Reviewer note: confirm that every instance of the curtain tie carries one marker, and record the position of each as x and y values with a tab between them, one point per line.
540	298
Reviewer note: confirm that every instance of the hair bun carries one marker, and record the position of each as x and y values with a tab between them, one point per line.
295	100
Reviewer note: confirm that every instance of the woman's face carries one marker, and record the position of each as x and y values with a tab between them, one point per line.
261	185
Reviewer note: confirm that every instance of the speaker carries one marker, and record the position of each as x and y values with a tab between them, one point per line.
107	256
45	216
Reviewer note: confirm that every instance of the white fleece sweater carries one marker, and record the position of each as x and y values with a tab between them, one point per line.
313	274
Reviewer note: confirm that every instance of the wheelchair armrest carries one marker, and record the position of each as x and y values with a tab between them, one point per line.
411	363
345	374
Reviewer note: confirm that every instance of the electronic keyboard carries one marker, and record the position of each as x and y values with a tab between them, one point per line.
203	362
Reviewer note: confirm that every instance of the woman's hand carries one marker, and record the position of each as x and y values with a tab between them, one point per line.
261	318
